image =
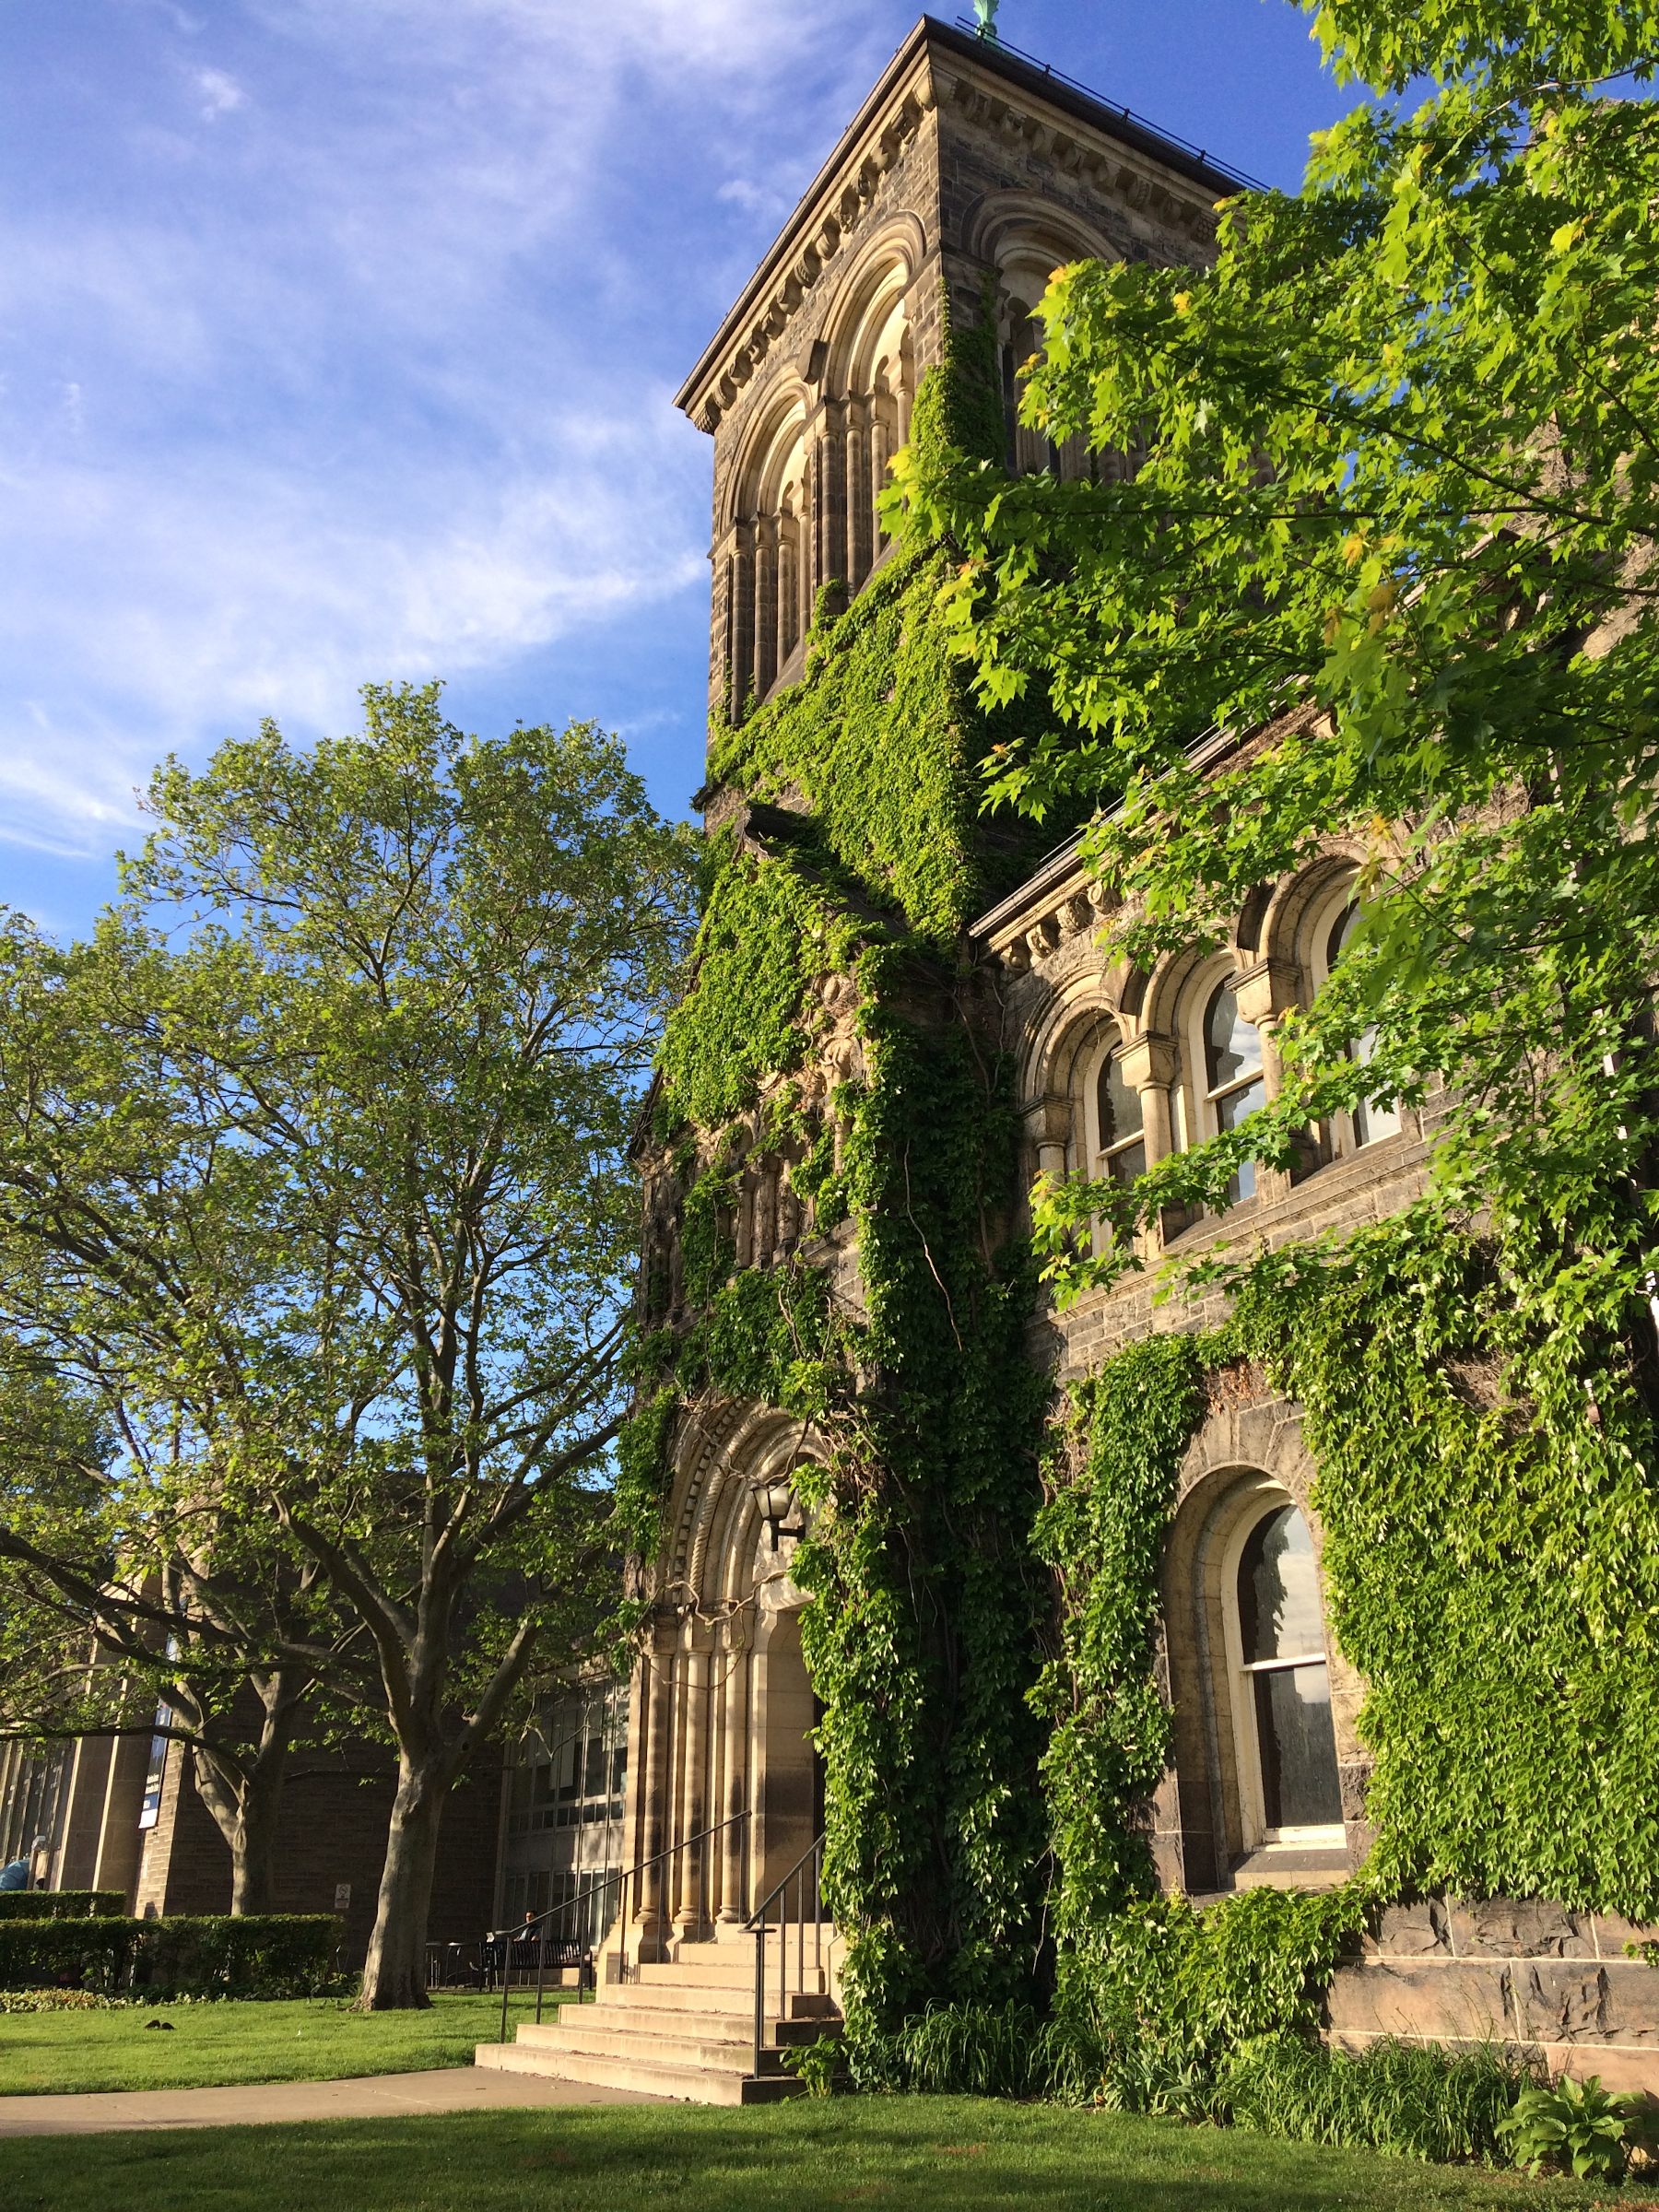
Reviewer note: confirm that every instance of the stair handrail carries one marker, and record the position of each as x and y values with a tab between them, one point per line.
754	1925
620	1877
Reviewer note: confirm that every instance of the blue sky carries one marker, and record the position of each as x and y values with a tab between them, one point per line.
339	339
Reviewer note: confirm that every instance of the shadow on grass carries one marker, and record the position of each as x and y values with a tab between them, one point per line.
965	2154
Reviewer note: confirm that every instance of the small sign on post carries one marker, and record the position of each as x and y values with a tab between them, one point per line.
342	1897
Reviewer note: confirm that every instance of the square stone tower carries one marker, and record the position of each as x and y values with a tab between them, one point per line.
966	177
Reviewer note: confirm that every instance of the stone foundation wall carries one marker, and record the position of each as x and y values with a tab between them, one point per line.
1558	1985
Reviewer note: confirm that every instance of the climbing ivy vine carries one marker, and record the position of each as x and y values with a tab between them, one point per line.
922	1642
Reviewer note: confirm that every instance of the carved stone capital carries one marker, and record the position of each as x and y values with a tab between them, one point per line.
1148	1063
1048	1120
1266	991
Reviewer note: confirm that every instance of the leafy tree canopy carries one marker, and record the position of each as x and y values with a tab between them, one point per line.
313	1182
1392	525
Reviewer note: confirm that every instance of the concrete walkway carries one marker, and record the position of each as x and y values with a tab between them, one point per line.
375	2096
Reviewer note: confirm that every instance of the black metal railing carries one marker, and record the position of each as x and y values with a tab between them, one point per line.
539	1944
806	1877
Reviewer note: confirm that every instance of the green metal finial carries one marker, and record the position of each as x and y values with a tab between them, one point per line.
986	12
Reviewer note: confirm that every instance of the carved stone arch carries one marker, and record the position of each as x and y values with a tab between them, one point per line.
1166	987
721	1455
889	261
1247	1459
752	487
1023	239
725	1778
1074	1009
1015	228
1296	900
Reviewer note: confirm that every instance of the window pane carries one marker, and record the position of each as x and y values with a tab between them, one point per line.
1278	1591
1232	1046
1373	1118
1230	1109
1124	1166
1234	1105
1299	1788
1120	1106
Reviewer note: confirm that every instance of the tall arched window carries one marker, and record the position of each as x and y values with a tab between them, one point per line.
1287	1686
1373	1118
1121	1147
1232	1066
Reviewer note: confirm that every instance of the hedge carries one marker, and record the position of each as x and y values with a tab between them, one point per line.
61	1904
265	1955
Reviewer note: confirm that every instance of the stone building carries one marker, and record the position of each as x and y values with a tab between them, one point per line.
123	1814
966	177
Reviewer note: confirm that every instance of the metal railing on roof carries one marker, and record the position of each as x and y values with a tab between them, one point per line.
1114	107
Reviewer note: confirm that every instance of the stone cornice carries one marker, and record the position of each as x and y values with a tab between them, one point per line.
935	64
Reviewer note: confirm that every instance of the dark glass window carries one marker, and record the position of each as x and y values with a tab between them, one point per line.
1373	1118
1232	1054
1118	1108
149	1809
1282	1634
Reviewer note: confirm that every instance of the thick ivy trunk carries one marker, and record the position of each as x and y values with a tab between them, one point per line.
395	1974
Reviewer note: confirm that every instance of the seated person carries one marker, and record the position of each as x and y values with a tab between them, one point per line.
17	1874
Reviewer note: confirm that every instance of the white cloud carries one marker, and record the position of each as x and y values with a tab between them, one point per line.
378	384
221	94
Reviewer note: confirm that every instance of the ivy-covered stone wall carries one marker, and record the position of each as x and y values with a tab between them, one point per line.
834	1029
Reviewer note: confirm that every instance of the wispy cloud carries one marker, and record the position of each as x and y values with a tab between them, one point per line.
379	382
220	94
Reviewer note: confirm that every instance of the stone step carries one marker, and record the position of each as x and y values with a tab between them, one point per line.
695	2085
734	1974
598	2026
673	1996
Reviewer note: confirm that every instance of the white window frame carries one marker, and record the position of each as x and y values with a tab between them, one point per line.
1350	1140
1240	1673
1205	1101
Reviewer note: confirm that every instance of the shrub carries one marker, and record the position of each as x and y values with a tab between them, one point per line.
1578	2127
83	1954
1413	2100
973	2051
60	2000
819	2065
267	1955
61	1904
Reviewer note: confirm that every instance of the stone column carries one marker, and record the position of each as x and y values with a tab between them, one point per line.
736	1780
742	677
1148	1064
659	1707
829	450
1048	1122
860	509
766	604
692	1858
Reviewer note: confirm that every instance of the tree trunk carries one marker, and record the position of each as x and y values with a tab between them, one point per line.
245	1813
395	1973
245	1799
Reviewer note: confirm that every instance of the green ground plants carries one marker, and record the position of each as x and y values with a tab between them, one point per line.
304	2039
912	2154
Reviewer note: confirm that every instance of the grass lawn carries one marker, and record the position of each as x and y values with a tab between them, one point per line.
312	2039
955	2154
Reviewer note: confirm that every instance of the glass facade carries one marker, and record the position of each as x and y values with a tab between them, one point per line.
564	1812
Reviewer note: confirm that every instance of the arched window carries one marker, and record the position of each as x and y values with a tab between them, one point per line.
1121	1152
1373	1118
1232	1066
1288	1687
